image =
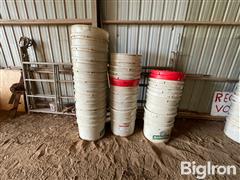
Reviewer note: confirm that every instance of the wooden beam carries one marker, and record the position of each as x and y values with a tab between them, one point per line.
200	116
197	77
23	22
200	77
210	78
113	22
190	115
171	22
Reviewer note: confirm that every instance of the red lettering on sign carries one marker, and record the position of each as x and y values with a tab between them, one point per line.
219	109
218	97
226	97
226	109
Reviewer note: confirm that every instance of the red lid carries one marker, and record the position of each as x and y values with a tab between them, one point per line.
124	83
167	75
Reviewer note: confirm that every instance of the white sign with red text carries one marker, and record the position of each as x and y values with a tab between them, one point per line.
221	103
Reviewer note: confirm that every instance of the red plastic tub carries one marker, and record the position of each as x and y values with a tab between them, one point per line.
124	83
166	75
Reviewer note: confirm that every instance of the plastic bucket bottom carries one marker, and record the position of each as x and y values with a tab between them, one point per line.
232	131
156	133
91	132
122	128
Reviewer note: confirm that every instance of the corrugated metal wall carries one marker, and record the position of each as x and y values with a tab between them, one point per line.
52	42
212	50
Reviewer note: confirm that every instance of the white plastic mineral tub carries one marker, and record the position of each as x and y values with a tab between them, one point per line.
91	132
157	133
123	129
232	130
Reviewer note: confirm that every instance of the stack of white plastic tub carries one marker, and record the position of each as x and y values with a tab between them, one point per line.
163	95
124	73
89	48
232	125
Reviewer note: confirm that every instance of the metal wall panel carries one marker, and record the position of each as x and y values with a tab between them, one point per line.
52	42
212	50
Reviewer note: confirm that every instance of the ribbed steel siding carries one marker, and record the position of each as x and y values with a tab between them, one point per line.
210	50
52	42
204	49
